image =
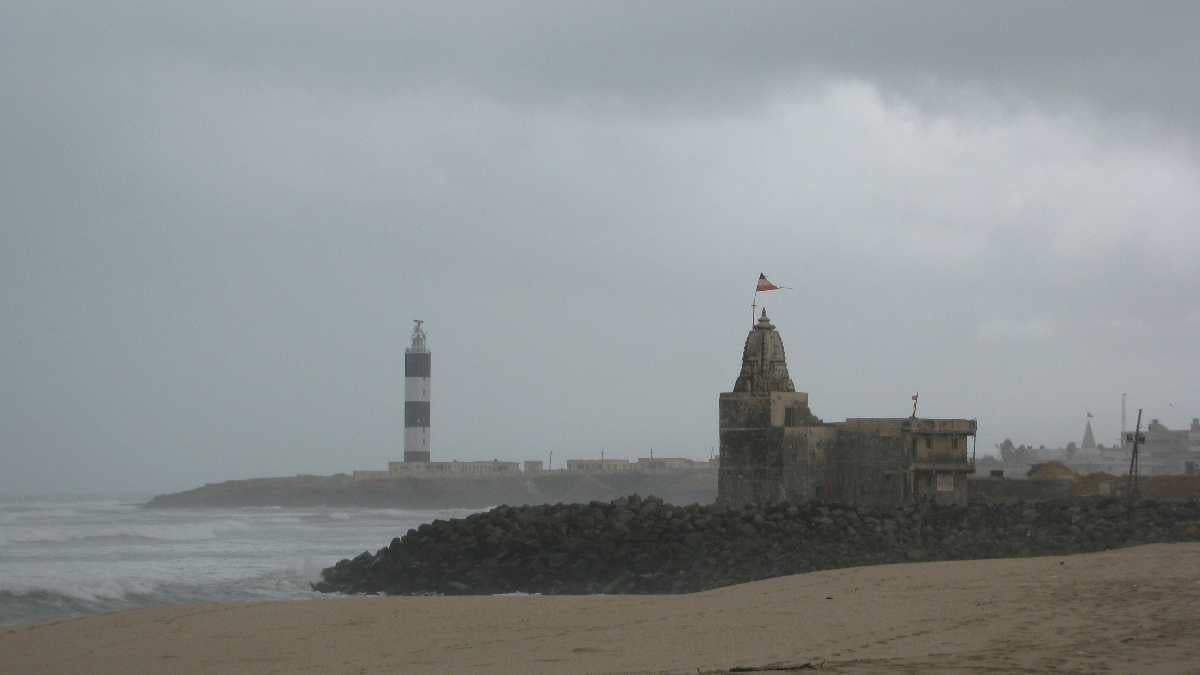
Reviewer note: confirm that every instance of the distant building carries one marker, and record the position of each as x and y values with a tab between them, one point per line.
493	468
1168	451
774	449
600	465
666	464
1162	451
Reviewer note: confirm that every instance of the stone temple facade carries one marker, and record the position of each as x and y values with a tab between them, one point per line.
774	449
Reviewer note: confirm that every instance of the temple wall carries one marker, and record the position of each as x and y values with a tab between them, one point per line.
806	461
751	466
868	468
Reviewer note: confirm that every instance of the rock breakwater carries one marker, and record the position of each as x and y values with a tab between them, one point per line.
643	545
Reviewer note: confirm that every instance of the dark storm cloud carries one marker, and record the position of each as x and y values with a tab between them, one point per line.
1118	55
218	220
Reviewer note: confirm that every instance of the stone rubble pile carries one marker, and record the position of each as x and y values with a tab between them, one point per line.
641	545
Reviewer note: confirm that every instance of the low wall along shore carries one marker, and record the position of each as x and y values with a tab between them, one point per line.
636	545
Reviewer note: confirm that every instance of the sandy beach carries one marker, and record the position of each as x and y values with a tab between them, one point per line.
1132	610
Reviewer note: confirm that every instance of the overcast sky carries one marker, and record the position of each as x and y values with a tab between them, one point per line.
217	220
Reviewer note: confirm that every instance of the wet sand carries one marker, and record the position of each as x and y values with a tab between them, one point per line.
1128	611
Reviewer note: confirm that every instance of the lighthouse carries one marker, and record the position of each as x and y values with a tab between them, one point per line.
416	398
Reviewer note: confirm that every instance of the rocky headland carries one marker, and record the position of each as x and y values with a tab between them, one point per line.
644	545
678	487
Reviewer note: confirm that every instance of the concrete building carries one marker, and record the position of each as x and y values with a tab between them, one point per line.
1169	451
416	397
774	449
490	469
642	465
667	464
600	465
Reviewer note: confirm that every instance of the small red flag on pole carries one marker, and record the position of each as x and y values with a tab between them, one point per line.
763	285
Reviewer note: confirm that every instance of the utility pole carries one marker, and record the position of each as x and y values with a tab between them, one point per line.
1132	488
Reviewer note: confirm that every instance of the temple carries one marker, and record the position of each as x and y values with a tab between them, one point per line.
773	448
1089	438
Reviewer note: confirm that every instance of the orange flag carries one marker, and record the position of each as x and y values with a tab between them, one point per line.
764	285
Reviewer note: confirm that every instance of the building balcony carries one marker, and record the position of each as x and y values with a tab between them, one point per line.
966	466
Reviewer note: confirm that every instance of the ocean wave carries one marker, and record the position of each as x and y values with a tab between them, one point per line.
126	533
418	516
40	605
32	605
38	512
77	558
15	515
336	516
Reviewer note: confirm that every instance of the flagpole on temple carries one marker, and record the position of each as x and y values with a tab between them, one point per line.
763	285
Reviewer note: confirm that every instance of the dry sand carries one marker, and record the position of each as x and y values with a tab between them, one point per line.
1134	610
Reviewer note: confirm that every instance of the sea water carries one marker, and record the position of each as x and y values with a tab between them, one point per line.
70	557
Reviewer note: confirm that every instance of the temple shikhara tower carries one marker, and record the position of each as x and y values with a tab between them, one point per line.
774	449
416	398
1089	439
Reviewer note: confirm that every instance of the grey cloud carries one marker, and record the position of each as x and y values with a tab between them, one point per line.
218	220
1114	55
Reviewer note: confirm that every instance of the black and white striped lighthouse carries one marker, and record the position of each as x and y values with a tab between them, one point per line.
416	398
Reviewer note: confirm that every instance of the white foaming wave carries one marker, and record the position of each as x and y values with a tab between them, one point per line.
37	513
310	568
65	506
421	516
30	603
284	520
91	589
14	515
324	517
164	532
83	558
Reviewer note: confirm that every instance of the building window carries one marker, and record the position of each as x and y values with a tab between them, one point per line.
945	482
791	417
929	443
